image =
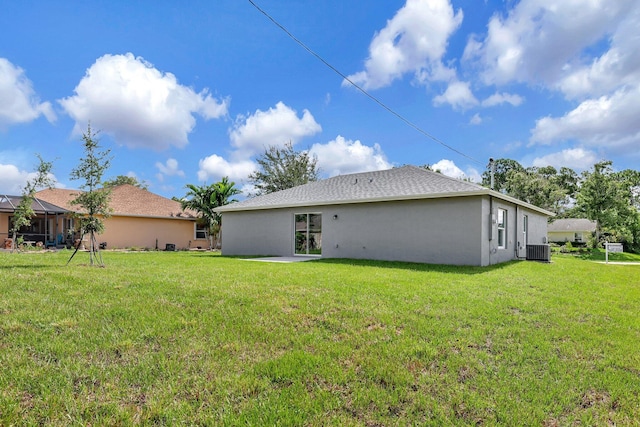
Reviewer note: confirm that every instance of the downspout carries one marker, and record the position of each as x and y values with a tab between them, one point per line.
490	226
517	245
492	169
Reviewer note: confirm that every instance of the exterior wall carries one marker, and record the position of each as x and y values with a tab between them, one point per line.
568	236
434	231
491	253
263	232
537	228
127	232
515	238
439	231
459	231
4	228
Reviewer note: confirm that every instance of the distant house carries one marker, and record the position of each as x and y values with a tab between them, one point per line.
43	225
574	230
139	218
404	214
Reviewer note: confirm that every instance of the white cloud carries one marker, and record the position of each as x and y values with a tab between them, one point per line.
413	41
502	98
475	120
169	168
275	127
538	40
214	167
449	168
140	106
458	95
14	180
607	121
620	65
18	101
574	158
511	146
250	136
342	156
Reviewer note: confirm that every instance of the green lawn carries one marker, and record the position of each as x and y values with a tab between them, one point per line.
164	338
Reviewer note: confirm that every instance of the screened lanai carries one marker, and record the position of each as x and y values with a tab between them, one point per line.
52	225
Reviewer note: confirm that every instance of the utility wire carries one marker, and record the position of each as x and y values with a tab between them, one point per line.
373	98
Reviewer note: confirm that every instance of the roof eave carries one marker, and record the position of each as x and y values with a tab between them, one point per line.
519	202
188	218
481	192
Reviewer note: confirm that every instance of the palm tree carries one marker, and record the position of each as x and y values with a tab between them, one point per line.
204	199
224	190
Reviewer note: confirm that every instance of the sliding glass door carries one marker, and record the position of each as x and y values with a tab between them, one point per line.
308	234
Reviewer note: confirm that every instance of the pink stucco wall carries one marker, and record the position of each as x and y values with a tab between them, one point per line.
127	232
138	232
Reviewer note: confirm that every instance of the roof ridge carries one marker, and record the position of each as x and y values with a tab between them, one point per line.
405	182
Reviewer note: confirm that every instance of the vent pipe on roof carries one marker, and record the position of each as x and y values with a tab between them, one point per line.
492	171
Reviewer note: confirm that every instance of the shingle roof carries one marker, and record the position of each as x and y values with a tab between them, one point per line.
39	206
572	224
59	196
404	183
126	200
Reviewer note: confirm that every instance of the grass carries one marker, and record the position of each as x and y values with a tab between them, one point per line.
166	338
600	255
596	254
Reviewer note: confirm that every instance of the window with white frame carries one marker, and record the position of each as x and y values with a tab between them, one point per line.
502	229
200	231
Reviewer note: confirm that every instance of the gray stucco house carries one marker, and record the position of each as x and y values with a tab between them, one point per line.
401	214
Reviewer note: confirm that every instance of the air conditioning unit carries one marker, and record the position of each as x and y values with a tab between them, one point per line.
538	253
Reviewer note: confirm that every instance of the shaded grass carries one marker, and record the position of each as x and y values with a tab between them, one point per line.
600	255
194	338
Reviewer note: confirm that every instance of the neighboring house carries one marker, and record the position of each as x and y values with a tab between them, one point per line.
139	218
403	214
574	230
44	225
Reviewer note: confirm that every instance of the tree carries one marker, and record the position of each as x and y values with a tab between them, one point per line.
204	199
629	181
502	168
602	198
24	211
124	179
543	187
282	168
94	200
568	179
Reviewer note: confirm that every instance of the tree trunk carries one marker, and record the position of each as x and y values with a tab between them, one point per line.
13	241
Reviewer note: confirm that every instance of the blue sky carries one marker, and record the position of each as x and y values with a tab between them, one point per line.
185	93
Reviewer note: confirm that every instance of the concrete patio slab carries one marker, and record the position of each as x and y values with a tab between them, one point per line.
283	259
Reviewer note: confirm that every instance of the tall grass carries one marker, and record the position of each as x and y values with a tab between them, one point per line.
194	338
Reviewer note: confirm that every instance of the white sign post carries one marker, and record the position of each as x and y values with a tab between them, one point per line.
611	247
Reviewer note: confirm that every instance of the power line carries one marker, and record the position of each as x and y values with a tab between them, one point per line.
373	98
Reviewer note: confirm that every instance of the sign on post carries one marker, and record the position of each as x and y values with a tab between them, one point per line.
612	247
